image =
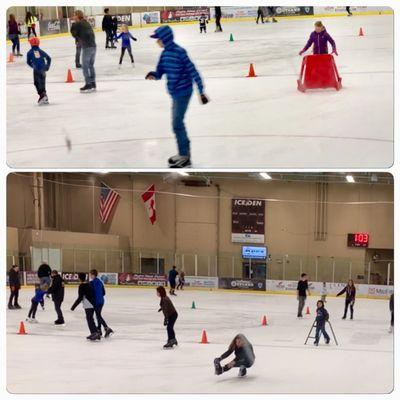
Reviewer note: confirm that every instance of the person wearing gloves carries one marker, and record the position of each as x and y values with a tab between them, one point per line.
244	356
181	73
170	316
319	39
350	291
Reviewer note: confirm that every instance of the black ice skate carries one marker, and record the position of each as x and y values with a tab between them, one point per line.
58	322
17	306
88	88
94	336
327	341
217	365
242	371
108	332
174	342
10	307
179	161
169	345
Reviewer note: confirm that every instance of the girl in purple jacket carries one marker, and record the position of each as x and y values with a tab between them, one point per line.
319	39
126	43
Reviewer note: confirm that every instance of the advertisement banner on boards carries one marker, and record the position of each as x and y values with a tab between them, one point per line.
150	17
50	27
201	282
124	19
293	11
71	277
108	278
248	221
241	284
31	278
127	278
184	15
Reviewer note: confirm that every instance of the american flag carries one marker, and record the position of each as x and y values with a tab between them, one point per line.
108	200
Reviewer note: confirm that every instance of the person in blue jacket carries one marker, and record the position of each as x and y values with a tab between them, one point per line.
40	291
173	273
180	72
40	62
126	37
99	293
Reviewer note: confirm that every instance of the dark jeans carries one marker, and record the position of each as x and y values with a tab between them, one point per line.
260	15
15	42
392	319
302	302
78	51
39	80
57	306
203	29
242	362
321	329
170	326
32	311
179	108
109	38
88	59
271	11
123	49
90	320
180	285
31	30
99	317
346	306
218	24
13	297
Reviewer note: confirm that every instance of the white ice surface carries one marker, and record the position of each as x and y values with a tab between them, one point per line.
54	359
250	122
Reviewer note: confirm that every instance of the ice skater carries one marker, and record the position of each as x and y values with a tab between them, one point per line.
170	316
218	16
40	291
15	285
321	318
391	308
40	62
302	291
350	291
99	292
181	280
348	10
86	297
44	275
203	21
180	72
57	290
324	292
82	31
260	15
172	274
30	21
319	39
272	14
13	34
244	356
107	27
126	37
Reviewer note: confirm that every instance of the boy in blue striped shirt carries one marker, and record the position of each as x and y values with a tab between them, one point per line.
181	72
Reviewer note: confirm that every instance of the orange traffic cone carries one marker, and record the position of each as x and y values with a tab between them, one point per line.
308	310
11	58
264	321
361	32
251	74
204	338
22	329
69	77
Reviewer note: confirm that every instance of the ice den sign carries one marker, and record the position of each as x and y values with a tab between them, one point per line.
248	220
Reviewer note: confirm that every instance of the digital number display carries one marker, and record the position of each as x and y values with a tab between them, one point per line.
357	239
254	252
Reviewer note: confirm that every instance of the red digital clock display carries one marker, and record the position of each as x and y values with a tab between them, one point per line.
357	239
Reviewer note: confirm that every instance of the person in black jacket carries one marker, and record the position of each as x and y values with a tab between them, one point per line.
107	27
260	14
15	285
244	356
302	290
172	280
170	316
86	297
57	293
350	291
391	308
218	16
321	318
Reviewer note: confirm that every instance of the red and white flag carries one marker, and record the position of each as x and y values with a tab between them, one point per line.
149	200
108	201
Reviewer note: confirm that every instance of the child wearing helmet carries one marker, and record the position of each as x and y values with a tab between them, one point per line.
40	62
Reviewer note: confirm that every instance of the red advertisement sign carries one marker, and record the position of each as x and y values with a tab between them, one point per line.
184	15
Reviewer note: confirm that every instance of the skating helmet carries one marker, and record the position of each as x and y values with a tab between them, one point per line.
34	41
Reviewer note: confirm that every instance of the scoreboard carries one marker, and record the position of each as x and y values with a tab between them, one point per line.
358	239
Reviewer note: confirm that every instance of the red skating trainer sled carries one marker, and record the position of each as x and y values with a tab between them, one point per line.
319	72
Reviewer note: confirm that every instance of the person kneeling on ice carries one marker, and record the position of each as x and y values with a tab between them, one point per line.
40	62
319	39
86	297
180	72
40	291
170	316
126	37
244	356
321	318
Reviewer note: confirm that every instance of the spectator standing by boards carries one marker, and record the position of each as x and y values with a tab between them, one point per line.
302	291
57	294
15	286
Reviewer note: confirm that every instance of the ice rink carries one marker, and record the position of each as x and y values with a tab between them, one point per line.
54	359
250	122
